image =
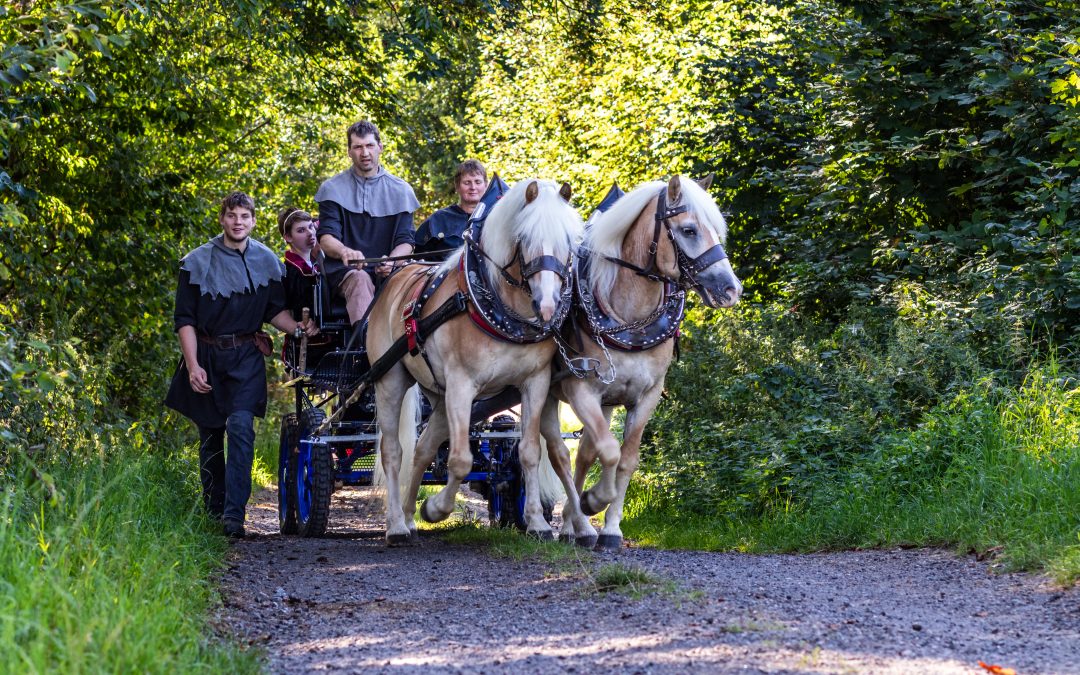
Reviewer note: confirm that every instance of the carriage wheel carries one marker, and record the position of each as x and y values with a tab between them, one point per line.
314	480
506	505
290	436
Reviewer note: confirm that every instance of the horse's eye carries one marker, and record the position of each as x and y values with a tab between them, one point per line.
689	232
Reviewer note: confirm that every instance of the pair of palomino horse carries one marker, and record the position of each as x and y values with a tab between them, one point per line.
643	252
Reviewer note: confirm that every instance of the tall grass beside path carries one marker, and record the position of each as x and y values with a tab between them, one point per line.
996	470
107	563
112	576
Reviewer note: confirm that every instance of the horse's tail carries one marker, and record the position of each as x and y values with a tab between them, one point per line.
551	489
408	420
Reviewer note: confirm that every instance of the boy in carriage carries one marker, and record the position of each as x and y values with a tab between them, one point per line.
443	229
298	229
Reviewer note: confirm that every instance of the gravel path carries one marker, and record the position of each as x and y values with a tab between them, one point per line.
347	603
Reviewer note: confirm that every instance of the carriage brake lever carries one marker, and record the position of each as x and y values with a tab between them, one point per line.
305	315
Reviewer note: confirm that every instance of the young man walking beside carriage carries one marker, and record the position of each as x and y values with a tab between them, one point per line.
227	289
364	212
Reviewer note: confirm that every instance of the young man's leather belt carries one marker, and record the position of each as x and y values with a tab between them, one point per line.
227	341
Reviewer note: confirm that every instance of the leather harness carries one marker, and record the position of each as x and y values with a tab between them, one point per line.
663	323
484	307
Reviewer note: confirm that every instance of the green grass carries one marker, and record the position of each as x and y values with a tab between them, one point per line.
114	575
628	580
994	470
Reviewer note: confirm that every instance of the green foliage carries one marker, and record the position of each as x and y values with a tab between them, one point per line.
122	125
104	551
856	144
945	150
54	406
766	404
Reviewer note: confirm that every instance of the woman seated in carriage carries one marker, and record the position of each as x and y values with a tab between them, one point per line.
441	233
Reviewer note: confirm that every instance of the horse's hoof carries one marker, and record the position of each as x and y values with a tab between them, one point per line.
586	505
428	516
609	542
565	538
398	540
414	535
542	535
586	541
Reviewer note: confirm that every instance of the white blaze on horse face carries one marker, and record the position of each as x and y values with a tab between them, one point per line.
546	287
718	284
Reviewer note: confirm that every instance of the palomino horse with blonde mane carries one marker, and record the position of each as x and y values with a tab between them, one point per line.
633	270
515	279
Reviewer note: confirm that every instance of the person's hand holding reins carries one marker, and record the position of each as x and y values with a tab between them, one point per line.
351	255
385	268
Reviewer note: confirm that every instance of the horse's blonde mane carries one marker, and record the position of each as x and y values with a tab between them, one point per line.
547	220
606	234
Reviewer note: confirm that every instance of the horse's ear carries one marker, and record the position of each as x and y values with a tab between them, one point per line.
706	182
565	192
674	190
531	191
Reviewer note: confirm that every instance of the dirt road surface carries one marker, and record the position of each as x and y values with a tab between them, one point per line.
347	603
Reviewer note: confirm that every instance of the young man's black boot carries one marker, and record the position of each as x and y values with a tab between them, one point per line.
234	529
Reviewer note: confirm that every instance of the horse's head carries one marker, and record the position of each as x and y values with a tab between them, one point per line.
541	234
545	261
697	230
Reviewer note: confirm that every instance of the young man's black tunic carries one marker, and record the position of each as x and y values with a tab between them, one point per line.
237	376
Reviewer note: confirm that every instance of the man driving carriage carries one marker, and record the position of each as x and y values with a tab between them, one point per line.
364	212
227	289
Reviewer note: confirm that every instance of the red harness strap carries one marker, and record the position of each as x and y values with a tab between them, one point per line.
410	316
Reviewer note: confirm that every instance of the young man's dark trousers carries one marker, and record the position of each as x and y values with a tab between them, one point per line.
226	480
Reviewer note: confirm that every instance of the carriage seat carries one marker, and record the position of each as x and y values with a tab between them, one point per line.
330	310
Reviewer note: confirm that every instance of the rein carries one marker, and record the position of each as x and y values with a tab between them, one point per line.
397	258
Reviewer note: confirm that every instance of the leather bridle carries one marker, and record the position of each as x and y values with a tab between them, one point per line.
689	268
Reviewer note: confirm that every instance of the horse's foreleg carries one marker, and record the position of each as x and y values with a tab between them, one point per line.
611	536
389	395
604	447
457	406
533	395
576	526
426	448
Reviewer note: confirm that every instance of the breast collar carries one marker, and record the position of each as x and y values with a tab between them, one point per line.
488	312
659	326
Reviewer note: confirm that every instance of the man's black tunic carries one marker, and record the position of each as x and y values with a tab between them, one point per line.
372	215
244	291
